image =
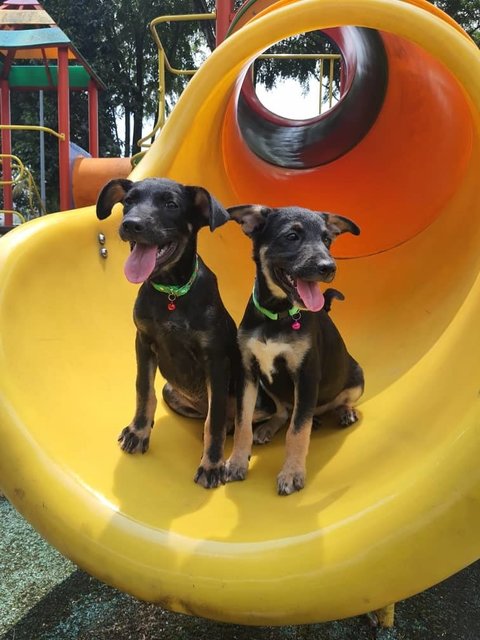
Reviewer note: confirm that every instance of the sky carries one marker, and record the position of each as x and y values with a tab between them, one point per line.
286	99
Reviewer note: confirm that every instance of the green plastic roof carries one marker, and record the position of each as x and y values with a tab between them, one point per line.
23	76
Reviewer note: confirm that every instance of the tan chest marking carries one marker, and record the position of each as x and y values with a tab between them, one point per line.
267	352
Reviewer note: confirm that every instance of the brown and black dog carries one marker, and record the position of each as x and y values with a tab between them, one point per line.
289	344
182	325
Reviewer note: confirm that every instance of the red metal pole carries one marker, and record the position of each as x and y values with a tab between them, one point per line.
224	17
64	127
6	138
93	119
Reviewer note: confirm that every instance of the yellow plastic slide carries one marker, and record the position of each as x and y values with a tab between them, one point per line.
392	505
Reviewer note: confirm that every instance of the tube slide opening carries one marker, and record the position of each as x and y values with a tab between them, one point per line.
302	144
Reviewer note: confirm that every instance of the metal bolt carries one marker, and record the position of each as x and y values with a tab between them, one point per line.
104	252
101	238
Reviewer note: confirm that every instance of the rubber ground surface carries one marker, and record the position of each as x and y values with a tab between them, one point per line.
43	596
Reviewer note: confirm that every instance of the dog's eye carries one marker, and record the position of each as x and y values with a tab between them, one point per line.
128	200
292	236
326	239
171	205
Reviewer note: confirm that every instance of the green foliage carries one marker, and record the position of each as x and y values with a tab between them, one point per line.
466	13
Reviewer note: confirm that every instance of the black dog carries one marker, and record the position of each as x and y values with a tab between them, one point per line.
288	343
182	324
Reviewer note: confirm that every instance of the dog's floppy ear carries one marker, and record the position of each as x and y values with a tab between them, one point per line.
211	211
113	192
339	224
252	217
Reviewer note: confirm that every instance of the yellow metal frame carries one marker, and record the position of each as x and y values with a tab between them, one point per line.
164	63
14	213
23	172
16	161
32	127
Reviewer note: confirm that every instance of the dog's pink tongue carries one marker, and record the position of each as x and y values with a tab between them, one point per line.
140	263
311	295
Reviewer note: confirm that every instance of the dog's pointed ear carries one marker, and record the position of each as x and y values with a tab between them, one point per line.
339	224
212	213
251	217
113	192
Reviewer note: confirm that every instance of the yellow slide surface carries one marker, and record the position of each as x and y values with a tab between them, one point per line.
392	505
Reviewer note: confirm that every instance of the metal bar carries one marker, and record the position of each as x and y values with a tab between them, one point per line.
161	102
163	63
330	84
33	187
320	103
6	138
162	90
301	56
180	18
10	213
31	127
64	125
93	145
43	196
224	17
16	161
7	65
386	616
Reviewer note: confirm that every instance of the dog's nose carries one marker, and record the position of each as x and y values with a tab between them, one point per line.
326	270
133	225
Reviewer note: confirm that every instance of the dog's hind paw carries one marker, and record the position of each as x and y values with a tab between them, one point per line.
132	442
290	481
212	477
346	416
264	433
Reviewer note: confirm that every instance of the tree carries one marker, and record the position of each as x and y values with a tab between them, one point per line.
466	13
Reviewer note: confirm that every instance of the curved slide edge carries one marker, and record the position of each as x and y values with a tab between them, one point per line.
389	510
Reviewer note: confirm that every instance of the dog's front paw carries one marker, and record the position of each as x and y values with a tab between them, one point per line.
210	477
235	471
346	416
290	481
132	441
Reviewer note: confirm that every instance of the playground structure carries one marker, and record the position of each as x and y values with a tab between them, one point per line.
391	506
29	35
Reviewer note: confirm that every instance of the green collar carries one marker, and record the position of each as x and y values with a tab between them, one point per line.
293	312
175	291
